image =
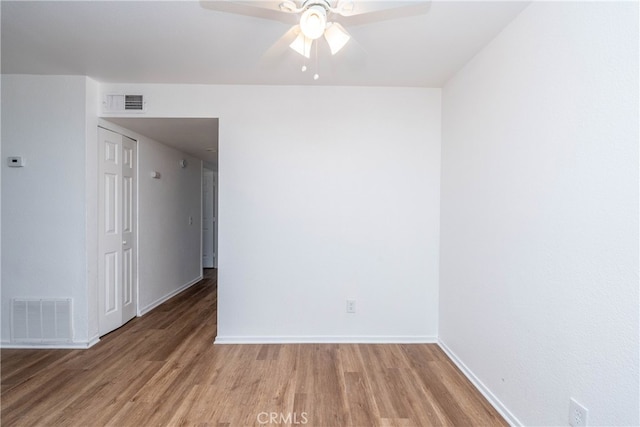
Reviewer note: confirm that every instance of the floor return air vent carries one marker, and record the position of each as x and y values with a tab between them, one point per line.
41	320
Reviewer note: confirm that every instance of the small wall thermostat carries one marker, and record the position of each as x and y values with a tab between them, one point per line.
16	162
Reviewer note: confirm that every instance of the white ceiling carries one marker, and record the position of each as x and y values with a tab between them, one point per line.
197	42
185	42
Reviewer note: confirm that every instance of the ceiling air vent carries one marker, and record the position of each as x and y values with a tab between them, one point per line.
133	102
116	103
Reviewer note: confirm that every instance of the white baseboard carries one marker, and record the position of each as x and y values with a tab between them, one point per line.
148	308
76	345
340	339
483	389
93	341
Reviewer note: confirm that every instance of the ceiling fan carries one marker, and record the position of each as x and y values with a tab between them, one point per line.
314	20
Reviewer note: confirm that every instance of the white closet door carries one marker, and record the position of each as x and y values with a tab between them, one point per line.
117	232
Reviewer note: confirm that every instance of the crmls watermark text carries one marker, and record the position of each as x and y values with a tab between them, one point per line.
282	418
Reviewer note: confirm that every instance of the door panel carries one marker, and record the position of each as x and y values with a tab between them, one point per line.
129	237
111	282
111	196
127	269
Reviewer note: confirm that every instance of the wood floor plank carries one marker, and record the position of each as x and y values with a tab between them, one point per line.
383	378
424	410
27	363
329	406
163	369
360	408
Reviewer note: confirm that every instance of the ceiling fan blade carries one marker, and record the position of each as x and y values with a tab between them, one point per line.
258	9
366	12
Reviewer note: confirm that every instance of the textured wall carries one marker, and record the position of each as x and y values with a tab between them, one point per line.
539	254
43	203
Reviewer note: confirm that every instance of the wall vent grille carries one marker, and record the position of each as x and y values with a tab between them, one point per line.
133	102
41	320
118	103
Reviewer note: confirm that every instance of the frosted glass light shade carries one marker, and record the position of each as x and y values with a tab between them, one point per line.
302	45
337	37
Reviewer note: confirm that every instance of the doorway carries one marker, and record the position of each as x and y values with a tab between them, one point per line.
209	232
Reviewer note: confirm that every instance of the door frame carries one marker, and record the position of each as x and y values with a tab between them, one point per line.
205	173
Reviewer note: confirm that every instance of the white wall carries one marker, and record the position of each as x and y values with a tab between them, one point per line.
539	253
43	204
91	208
169	248
170	256
324	194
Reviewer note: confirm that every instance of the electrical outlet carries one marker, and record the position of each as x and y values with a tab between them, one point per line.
351	306
577	414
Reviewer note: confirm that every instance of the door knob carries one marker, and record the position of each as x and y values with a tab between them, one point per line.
124	242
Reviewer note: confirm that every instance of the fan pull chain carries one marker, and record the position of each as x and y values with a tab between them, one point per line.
304	64
316	76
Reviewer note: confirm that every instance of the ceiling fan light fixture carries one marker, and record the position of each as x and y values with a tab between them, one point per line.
345	6
288	6
302	45
336	36
313	22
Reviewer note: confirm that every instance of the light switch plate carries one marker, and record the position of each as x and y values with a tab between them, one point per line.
16	162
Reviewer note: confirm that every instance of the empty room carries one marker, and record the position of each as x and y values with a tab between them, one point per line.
320	212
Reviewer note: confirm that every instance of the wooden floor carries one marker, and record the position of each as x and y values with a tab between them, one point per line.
162	369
